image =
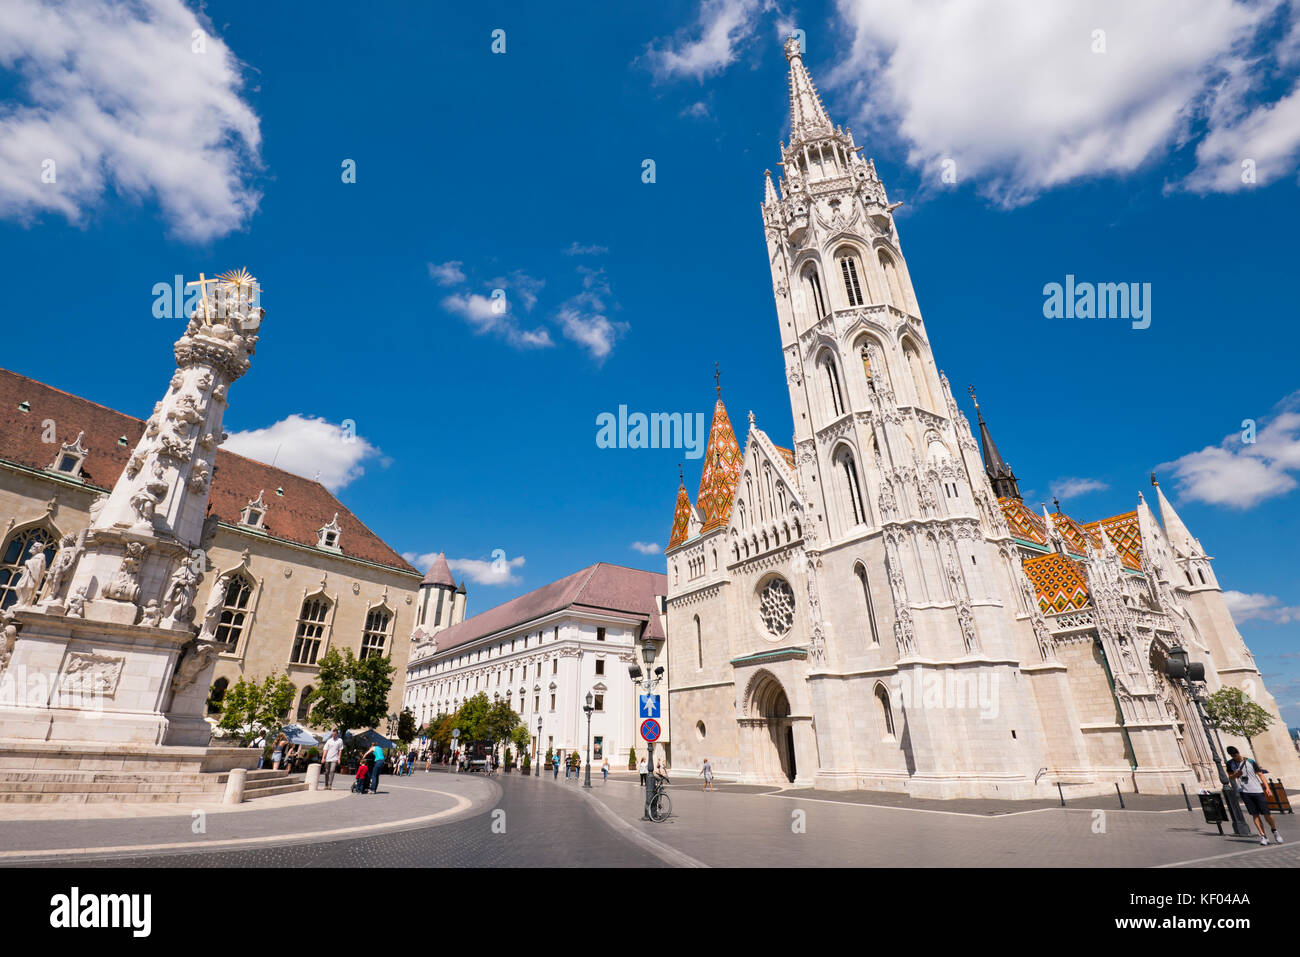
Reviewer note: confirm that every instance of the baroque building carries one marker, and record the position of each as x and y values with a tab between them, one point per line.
543	653
875	607
289	572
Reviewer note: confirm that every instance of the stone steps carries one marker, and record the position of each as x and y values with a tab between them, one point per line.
56	786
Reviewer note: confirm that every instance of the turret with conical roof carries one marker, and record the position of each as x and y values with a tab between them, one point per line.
1000	475
440	605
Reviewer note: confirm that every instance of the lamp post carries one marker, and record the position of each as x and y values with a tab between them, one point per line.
586	783
1179	669
651	681
537	750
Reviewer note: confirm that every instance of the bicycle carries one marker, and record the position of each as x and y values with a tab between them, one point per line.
661	806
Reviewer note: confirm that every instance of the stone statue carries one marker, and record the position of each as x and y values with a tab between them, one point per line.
178	600
64	559
195	658
125	585
152	614
212	614
77	603
33	571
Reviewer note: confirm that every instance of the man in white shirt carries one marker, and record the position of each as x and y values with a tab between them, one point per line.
330	752
1250	785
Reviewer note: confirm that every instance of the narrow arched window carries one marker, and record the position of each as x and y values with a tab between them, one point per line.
234	611
376	632
311	630
868	604
852	490
892	280
1201	572
17	550
304	703
851	274
886	713
920	381
835	395
813	292
699	644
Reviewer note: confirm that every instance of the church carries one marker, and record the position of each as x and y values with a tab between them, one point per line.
874	606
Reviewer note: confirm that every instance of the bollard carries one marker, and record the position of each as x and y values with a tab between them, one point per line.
235	786
1120	795
313	776
1061	793
1187	799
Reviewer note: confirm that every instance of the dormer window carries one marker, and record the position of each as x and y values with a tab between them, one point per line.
70	458
254	513
329	535
123	441
24	407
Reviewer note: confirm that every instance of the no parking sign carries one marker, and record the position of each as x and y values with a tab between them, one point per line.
650	730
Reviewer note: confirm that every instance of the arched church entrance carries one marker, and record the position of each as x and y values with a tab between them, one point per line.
771	730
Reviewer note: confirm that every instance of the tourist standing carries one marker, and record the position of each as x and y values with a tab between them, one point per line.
277	751
330	753
555	766
604	771
1254	791
707	773
640	767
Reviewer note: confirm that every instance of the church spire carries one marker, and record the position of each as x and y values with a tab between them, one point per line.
721	469
1180	539
1000	475
808	117
769	191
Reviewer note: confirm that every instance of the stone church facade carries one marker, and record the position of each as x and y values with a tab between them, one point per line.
875	607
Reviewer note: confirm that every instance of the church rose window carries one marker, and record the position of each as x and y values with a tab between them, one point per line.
776	606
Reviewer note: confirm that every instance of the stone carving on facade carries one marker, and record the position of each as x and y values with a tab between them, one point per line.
60	568
92	673
195	658
125	585
33	573
199	478
77	603
966	619
151	614
212	614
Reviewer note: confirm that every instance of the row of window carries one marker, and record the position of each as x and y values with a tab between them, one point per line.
856	288
454	687
485	653
427	711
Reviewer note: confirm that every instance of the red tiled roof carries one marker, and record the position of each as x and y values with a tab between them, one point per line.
296	515
599	587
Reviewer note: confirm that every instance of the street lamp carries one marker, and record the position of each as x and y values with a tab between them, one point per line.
589	709
537	750
1179	669
651	680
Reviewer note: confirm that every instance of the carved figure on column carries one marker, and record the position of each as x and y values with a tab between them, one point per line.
125	585
178	599
196	656
212	614
29	582
64	559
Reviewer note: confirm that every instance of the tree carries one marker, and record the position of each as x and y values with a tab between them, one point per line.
1232	710
500	724
631	759
250	709
471	718
353	692
406	726
521	739
440	729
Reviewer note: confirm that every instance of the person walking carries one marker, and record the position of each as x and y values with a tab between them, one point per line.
640	767
1254	791
604	770
555	766
277	751
707	773
330	752
376	753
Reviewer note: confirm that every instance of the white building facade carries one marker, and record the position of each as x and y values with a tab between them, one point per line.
542	653
875	607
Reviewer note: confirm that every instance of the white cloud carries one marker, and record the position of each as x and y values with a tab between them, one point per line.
1012	91
492	571
1246	607
310	447
723	27
115	96
698	110
1267	138
1241	474
1074	487
576	249
448	273
486	315
647	548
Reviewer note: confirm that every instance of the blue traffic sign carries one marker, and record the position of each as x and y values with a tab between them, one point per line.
649	705
650	729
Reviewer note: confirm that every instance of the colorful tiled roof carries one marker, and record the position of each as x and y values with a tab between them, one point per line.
787	454
1124	533
599	587
681	518
1059	582
1024	524
721	471
295	516
1076	539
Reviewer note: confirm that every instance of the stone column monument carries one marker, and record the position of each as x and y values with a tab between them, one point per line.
104	647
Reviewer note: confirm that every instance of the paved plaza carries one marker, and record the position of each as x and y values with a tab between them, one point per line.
461	820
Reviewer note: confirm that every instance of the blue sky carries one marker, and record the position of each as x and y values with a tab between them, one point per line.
523	171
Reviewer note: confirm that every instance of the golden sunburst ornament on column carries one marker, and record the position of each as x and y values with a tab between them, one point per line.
240	277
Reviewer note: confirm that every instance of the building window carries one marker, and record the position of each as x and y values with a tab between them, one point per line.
217	695
600	666
555	666
311	629
600	634
329	535
557	632
849	470
539	670
834	394
234	611
887	715
599	703
372	639
861	572
552	701
816	303
852	285
537	702
776	606
17	550
699	644
304	703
